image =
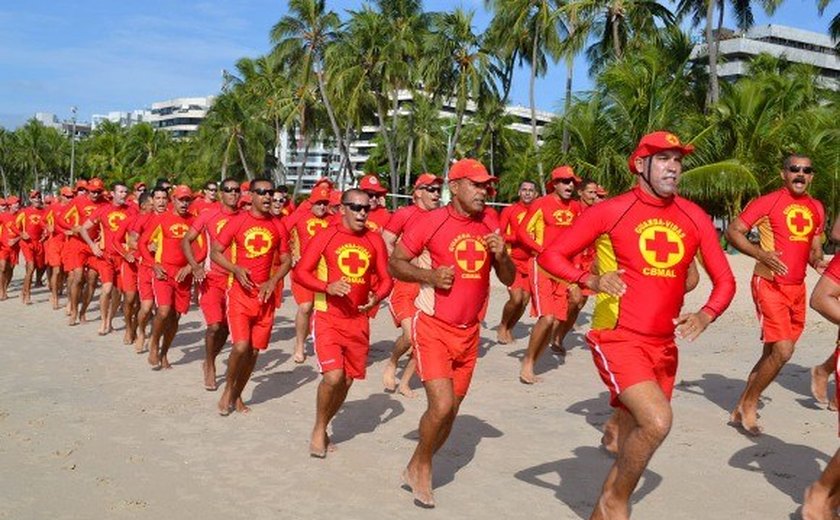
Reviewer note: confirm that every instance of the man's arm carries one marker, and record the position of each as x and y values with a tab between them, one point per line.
825	299
401	268
505	270
83	232
736	234
186	248
390	240
815	255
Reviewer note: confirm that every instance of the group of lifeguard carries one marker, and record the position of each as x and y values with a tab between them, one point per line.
635	252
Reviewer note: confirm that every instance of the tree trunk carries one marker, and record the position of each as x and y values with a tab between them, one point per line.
532	98
408	163
567	105
342	146
241	152
302	167
492	155
383	130
615	34
5	185
711	49
450	152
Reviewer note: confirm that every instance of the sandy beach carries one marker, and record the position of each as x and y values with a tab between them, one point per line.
87	430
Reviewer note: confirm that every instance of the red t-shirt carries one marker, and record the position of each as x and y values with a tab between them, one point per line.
6	221
548	217
444	237
53	210
302	229
209	224
257	241
142	226
378	219
398	221
167	230
30	220
112	219
786	224
75	214
654	241
339	254
510	220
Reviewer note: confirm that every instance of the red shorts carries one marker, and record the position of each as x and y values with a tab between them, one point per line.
836	376
780	309
107	266
401	301
549	295
75	255
301	293
52	250
128	276
33	253
625	358
249	320
169	293
444	351
522	280
213	299
145	276
341	343
14	254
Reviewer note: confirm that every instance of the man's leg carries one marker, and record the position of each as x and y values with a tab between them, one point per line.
158	326
821	373
820	495
105	308
435	425
169	330
3	293
302	318
74	288
772	360
651	421
26	291
401	346
511	313
87	294
242	378
540	335
240	358
211	340
130	308
143	315
332	391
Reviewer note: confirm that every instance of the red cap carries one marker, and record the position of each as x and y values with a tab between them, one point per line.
182	191
656	142
244	199
65	191
335	198
563	172
427	179
138	185
320	194
470	169
325	181
81	184
34	193
600	191
95	184
245	186
371	183
11	199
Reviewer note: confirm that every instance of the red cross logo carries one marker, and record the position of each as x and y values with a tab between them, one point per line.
257	242
661	246
178	230
470	255
799	220
353	261
563	217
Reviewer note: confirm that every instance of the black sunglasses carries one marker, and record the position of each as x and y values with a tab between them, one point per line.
357	207
565	181
795	168
231	189
212	189
263	191
278	201
431	189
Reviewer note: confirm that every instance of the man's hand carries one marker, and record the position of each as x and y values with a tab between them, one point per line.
24	235
689	326
97	252
243	276
609	282
160	272
496	244
198	273
338	288
266	289
129	257
772	260
182	273
820	265
371	303
442	277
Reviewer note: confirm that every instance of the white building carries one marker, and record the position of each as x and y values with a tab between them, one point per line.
795	45
180	116
124	119
67	127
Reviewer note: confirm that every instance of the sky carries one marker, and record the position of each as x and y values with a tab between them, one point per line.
106	55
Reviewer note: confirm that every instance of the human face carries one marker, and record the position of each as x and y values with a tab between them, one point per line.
14	208
527	192
159	200
354	212
428	197
230	194
319	209
147	205
795	176
182	205
118	195
665	171
95	195
374	200
564	188
469	196
261	193
37	201
277	201
588	195
210	192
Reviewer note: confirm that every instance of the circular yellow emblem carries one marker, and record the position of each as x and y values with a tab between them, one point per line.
178	230
563	217
661	246
114	220
258	241
672	139
800	221
314	225
353	261
470	255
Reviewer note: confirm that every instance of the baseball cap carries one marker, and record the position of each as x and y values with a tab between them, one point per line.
65	191
138	185
325	181
245	186
657	142
371	183
470	169
563	172
81	184
320	194
600	191
335	198
427	179
95	184
182	191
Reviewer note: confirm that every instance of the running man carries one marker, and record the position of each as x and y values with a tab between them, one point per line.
379	215
821	497
790	224
346	267
552	299
55	243
426	197
213	283
31	230
519	292
821	372
647	241
140	232
258	237
456	246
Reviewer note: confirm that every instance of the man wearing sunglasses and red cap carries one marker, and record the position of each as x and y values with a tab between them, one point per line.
647	240
379	215
8	244
30	229
552	300
55	243
455	246
790	224
426	197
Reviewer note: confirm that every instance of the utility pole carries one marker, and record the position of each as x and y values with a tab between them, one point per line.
73	110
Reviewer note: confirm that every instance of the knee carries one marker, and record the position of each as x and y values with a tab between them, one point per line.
442	410
213	329
659	425
783	351
333	379
305	308
549	320
163	313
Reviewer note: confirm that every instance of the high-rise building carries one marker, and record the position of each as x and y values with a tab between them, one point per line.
180	116
124	119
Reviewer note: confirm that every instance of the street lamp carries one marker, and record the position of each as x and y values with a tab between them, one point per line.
73	145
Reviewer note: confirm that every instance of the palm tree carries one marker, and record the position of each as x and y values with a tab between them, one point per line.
31	140
228	119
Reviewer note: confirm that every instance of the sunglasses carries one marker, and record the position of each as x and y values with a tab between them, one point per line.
231	189
278	201
431	189
141	189
356	208
185	199
263	191
565	181
795	168
96	191
211	189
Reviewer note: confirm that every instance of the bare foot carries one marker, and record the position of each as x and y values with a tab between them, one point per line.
299	356
503	336
612	509
817	505
526	376
389	376
104	331
73	321
209	376
406	391
153	359
558	349
82	319
746	420
832	404
224	406
241	407
319	445
164	363
128	338
819	384
421	490
140	344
